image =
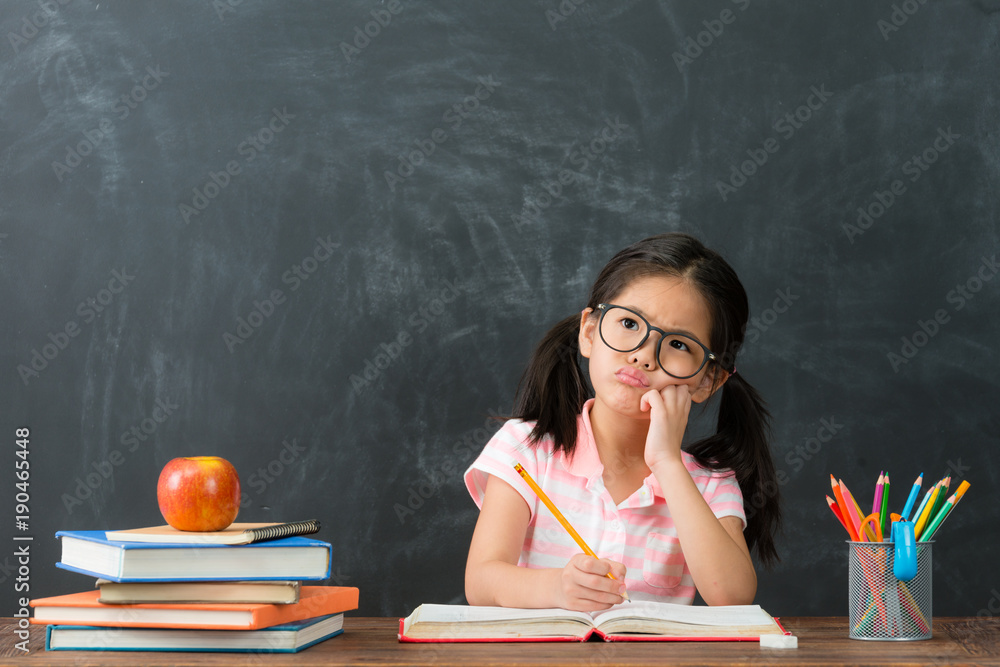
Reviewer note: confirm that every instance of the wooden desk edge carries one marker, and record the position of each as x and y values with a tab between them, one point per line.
373	641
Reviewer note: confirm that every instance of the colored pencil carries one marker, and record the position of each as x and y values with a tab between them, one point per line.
878	555
877	498
923	503
836	512
912	607
922	521
559	516
848	516
857	515
942	496
946	510
912	498
868	616
884	515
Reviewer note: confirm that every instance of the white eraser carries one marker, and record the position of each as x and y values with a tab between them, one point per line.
779	641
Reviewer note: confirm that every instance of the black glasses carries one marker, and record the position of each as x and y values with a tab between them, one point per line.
624	330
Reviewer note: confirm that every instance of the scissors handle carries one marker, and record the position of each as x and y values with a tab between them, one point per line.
876	528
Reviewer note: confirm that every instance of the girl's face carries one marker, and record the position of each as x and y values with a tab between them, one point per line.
621	378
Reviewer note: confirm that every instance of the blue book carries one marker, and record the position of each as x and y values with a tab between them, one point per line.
285	638
292	558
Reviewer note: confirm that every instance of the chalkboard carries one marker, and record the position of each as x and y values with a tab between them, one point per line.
320	239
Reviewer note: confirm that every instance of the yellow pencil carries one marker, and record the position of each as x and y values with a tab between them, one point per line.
559	516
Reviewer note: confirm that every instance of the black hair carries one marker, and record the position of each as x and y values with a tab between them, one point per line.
553	387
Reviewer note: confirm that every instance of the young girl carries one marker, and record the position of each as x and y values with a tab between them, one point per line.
661	329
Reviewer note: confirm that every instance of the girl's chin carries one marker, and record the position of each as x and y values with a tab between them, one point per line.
627	404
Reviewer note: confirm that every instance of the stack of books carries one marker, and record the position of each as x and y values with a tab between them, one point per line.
158	589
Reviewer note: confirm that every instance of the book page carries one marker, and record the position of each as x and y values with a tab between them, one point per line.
721	616
457	622
453	613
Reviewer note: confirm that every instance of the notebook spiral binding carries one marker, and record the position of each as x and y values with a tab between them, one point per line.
283	530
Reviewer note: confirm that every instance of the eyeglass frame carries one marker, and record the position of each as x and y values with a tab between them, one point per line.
709	355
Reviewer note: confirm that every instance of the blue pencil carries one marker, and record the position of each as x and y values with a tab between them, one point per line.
923	503
912	498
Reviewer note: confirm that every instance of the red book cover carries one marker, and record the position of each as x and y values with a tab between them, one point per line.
84	609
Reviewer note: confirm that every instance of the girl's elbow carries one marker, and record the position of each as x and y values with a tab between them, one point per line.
474	598
474	593
732	596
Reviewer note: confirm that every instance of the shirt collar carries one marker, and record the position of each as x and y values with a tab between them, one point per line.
654	486
586	462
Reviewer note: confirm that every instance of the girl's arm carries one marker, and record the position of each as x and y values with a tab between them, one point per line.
492	576
715	549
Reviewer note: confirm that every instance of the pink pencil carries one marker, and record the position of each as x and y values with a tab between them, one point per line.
854	512
877	502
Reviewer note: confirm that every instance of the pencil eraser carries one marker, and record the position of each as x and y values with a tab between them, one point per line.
779	641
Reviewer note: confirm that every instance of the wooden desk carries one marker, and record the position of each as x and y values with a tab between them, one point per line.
372	641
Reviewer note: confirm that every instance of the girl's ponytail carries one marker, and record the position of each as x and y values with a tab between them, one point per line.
553	390
741	445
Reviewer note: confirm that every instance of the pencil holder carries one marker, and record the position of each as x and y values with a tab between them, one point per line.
883	607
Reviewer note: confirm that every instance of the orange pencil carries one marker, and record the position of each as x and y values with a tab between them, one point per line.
845	515
559	516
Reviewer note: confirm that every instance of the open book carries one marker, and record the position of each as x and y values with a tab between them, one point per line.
637	621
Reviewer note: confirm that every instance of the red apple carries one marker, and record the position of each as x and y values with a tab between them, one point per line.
199	493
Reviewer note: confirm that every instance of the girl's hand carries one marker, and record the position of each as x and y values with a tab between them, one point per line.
668	417
583	584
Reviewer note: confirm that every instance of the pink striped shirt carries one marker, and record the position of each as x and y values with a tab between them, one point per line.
638	532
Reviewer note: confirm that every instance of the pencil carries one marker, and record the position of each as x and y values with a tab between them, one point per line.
559	516
925	515
884	515
836	512
945	511
877	499
846	514
912	498
912	607
942	496
923	503
857	516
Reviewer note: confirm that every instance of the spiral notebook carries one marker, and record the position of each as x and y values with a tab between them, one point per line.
237	533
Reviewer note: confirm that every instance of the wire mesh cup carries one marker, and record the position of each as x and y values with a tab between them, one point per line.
883	607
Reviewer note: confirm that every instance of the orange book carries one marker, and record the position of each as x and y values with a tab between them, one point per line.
84	609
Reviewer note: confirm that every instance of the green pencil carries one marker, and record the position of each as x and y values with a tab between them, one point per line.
945	511
939	502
